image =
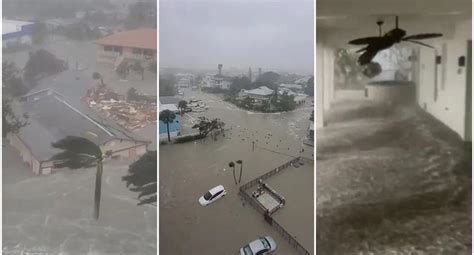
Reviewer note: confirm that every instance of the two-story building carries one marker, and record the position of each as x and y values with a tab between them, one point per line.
134	45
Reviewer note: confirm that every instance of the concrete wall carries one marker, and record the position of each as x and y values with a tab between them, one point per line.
441	88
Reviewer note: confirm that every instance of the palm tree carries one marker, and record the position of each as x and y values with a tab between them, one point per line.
142	175
167	117
231	164
98	76
78	152
182	105
240	162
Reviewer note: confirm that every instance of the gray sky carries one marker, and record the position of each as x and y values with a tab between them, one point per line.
272	34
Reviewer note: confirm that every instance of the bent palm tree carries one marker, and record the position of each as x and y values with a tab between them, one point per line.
78	152
167	117
240	162
142	175
231	164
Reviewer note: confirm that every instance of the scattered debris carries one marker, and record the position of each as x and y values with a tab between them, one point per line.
129	114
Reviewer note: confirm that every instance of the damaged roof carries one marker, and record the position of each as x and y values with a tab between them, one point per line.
52	118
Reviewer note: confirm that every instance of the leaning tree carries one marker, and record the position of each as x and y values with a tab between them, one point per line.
142	178
78	152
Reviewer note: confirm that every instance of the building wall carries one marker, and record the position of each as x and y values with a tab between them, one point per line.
125	148
109	58
25	152
441	88
175	127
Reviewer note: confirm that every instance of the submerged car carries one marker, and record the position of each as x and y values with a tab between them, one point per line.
261	246
212	195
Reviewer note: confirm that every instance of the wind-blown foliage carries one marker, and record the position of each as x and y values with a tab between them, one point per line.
10	122
77	152
206	126
142	177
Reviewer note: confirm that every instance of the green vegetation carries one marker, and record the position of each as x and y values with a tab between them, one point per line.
41	64
11	124
309	88
12	81
142	177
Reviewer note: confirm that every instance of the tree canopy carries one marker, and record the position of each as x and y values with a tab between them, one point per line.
142	177
10	122
42	63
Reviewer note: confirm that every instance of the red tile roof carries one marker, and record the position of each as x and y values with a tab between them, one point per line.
144	38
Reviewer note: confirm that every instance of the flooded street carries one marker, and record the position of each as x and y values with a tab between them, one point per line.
53	214
188	170
391	180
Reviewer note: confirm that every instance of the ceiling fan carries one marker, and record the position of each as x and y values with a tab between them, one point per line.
381	42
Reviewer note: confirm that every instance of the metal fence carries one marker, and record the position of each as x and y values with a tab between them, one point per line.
255	204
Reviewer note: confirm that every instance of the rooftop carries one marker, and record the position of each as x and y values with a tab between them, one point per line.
170	107
11	26
262	91
52	118
143	38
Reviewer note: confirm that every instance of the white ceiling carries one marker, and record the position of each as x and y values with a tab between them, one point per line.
340	20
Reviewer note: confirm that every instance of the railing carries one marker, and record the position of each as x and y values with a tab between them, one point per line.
267	215
291	240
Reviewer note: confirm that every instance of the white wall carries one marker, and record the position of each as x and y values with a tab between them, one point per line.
325	93
449	107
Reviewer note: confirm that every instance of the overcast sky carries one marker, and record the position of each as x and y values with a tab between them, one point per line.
272	34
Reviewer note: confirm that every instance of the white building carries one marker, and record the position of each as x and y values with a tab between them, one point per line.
293	87
261	93
16	32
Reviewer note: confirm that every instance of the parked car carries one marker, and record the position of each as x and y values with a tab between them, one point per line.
212	195
261	246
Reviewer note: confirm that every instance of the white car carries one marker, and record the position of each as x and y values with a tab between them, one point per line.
261	246
212	195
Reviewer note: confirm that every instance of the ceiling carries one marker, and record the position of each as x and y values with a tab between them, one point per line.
339	20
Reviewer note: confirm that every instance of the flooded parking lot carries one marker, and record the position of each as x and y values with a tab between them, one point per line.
188	170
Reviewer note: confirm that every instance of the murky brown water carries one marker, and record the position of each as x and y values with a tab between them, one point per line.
391	180
188	170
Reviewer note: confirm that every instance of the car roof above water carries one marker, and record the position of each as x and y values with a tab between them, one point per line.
216	189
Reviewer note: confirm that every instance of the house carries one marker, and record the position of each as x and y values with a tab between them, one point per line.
260	93
174	127
16	32
293	87
52	118
137	45
299	98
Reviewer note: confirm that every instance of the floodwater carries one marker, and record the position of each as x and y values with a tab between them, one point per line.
391	180
188	170
54	214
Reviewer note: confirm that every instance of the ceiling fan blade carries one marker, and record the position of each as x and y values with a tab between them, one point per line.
367	57
420	43
365	40
422	36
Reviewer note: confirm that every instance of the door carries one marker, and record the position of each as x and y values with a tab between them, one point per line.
468	118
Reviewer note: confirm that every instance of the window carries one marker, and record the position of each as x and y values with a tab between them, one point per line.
207	196
217	194
247	250
265	243
108	48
